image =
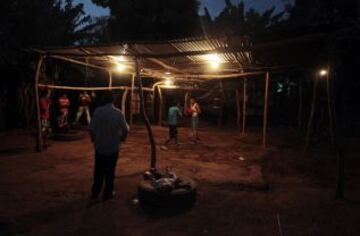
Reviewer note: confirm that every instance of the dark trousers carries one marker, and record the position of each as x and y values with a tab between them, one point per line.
104	170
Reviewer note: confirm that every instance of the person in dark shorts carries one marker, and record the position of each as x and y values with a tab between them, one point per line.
173	113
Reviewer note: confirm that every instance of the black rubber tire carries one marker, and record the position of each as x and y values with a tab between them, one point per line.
180	197
70	135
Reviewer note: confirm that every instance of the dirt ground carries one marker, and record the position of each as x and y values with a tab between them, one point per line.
243	189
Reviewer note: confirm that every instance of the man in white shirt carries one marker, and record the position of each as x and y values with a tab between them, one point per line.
108	128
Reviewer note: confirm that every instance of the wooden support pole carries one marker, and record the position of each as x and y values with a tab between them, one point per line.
146	119
123	102
160	106
153	105
244	106
110	79
312	112
266	99
300	106
89	88
132	98
330	110
221	113
238	108
39	139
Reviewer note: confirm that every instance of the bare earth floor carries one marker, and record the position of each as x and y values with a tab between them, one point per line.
243	189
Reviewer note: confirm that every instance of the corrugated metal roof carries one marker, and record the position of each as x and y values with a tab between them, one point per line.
181	57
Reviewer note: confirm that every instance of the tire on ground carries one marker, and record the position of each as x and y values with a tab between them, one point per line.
180	197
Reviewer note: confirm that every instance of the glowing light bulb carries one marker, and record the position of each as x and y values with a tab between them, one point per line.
323	72
214	60
120	67
169	82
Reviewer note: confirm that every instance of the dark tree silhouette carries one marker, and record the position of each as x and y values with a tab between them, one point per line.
147	20
234	19
30	23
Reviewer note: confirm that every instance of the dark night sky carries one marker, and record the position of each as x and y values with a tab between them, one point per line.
214	6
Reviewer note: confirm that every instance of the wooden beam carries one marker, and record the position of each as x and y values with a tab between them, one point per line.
110	79
63	58
123	102
238	109
220	119
244	106
146	119
266	98
160	106
89	88
329	105
132	98
312	112
210	76
39	138
300	106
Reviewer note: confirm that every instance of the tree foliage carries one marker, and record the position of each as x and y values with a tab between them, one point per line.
147	20
27	23
235	19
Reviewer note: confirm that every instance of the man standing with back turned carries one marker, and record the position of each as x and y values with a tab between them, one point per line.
108	129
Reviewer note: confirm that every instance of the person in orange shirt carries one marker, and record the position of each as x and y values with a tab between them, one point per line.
45	103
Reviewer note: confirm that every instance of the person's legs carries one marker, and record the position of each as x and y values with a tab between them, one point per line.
172	134
87	112
79	114
45	129
99	172
195	124
110	166
176	134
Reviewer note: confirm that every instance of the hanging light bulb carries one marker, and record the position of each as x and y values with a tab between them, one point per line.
120	67
214	60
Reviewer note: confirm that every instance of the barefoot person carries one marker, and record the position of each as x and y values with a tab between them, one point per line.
108	128
174	112
195	112
84	103
45	103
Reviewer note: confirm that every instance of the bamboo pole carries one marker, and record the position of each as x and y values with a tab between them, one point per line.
300	107
329	102
146	119
123	101
153	105
132	98
39	140
78	62
160	106
312	112
89	88
220	120
244	106
266	99
110	79
238	108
